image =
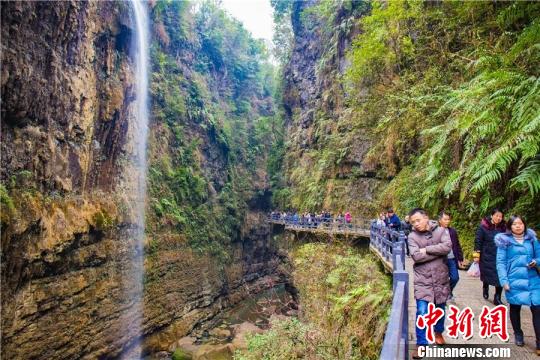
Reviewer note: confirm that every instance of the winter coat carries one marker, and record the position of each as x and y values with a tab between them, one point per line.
512	260
485	245
406	227
393	222
431	280
456	246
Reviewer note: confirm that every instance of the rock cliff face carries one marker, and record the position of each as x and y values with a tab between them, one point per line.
68	85
320	155
67	225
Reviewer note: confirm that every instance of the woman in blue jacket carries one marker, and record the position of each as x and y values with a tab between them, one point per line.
518	254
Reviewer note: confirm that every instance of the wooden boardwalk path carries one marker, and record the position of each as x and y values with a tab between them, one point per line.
468	292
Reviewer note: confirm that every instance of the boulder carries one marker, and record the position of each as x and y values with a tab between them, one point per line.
220	332
240	332
164	355
187	344
214	352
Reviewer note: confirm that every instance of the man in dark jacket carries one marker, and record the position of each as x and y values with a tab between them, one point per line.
406	227
455	257
392	220
429	245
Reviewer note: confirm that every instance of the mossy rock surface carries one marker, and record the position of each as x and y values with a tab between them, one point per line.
180	354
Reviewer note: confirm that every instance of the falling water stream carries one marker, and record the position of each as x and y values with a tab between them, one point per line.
140	138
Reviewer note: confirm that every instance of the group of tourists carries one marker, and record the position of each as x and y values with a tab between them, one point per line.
312	219
392	221
508	254
454	259
509	257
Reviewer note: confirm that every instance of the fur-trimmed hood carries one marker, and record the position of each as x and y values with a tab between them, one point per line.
488	225
503	240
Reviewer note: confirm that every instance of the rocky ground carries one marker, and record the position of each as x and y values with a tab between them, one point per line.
221	337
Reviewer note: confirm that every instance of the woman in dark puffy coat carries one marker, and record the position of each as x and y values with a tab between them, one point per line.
486	252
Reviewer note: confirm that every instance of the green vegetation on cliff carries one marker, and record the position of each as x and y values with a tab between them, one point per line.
459	119
343	313
344	299
211	90
321	164
445	95
457	90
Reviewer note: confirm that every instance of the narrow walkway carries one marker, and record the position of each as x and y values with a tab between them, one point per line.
354	229
468	292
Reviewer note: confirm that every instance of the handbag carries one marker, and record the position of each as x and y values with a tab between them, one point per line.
474	270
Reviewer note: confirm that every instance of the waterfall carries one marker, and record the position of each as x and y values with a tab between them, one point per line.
140	126
141	18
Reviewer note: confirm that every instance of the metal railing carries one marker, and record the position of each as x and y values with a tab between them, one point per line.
391	246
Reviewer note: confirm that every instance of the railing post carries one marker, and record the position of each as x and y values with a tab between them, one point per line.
405	325
380	236
399	250
403	275
396	252
392	243
371	233
403	241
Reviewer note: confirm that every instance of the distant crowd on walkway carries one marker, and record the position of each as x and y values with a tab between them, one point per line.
391	220
312	219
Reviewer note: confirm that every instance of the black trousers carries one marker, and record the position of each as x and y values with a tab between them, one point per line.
498	289
515	319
